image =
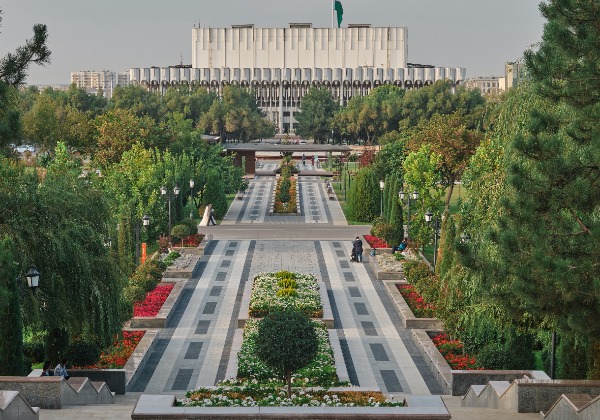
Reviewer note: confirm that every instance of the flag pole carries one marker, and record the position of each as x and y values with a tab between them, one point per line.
332	12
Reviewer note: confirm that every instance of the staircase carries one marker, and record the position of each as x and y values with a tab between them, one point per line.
535	396
574	407
55	392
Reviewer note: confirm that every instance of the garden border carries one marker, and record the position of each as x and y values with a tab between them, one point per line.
298	204
245	305
162	406
409	320
386	275
163	315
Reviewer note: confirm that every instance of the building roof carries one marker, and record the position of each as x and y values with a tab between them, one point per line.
275	147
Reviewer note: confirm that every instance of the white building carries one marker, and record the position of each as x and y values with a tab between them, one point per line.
280	64
486	85
96	80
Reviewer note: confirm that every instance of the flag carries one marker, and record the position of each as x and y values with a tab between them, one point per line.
339	10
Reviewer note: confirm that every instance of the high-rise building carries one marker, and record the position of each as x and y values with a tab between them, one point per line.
280	64
93	81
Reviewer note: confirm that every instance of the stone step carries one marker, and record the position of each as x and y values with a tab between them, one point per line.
13	406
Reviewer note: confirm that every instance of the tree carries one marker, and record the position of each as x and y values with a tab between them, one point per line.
316	112
364	196
214	193
117	131
448	137
11	327
13	66
552	202
286	342
421	173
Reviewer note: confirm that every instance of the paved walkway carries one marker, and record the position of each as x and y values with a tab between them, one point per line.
196	346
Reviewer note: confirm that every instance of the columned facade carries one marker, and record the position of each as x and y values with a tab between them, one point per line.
281	64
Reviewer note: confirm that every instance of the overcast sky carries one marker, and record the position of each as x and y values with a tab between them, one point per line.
480	35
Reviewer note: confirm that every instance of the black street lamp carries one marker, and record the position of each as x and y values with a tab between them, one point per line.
436	232
169	195
415	196
192	198
33	278
381	187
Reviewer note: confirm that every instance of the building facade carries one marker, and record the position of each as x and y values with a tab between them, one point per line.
281	64
95	80
486	85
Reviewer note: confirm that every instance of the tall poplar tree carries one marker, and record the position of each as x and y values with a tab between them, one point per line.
552	224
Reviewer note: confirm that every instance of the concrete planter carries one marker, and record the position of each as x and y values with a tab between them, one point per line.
408	318
386	275
160	320
162	406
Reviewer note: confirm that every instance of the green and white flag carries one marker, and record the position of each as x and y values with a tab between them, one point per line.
339	10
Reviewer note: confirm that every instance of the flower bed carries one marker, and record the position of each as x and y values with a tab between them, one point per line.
269	396
192	240
452	350
267	295
154	301
419	307
290	206
120	352
320	372
375	242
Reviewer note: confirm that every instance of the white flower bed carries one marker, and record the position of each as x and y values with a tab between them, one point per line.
264	299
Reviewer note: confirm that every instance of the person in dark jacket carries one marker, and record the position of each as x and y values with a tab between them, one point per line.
357	248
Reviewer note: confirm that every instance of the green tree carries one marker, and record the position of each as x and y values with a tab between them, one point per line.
117	131
316	112
448	137
553	170
214	193
11	327
421	173
364	196
286	342
13	66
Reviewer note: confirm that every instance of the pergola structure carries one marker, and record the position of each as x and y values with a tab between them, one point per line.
249	151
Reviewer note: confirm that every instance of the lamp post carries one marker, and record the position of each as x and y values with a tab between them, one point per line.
169	195
381	187
436	232
192	198
415	196
145	223
33	278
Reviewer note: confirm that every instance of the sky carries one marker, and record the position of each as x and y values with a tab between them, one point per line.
480	35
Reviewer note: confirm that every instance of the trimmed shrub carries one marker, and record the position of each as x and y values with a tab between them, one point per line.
287	284
286	342
288	292
178	232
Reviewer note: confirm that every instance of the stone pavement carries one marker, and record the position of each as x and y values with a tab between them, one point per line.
196	346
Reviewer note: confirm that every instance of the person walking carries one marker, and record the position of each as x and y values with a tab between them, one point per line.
357	248
212	216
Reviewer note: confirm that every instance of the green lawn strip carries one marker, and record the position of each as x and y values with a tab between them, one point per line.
320	372
264	298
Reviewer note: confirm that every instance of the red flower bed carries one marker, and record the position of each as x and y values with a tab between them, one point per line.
452	350
153	302
375	242
120	351
419	307
192	240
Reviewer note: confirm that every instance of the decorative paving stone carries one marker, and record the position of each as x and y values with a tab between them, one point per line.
361	308
193	350
369	328
209	308
202	327
379	352
390	379
182	380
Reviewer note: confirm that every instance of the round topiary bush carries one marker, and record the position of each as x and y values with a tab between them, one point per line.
179	232
286	342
